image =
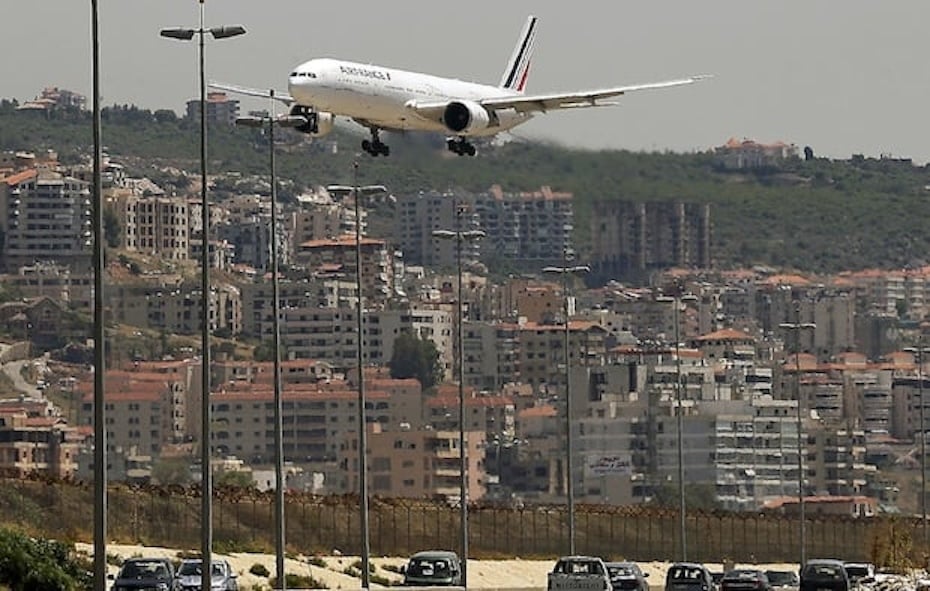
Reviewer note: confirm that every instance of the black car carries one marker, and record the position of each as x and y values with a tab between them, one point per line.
783	580
155	574
745	579
627	576
824	575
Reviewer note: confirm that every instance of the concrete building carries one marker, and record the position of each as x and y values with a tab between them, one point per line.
631	239
337	255
54	281
156	226
524	229
144	410
45	216
221	110
416	464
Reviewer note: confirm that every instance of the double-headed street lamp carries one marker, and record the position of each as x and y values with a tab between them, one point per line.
565	271
797	326
357	192
271	121
461	236
206	514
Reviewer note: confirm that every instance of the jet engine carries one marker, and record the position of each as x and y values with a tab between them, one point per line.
463	117
319	123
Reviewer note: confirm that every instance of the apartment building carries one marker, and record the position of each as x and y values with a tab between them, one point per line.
37	445
630	239
45	216
837	459
156	226
416	464
528	228
297	299
542	349
318	217
54	281
337	255
176	308
491	355
316	419
247	227
421	214
145	410
221	110
490	413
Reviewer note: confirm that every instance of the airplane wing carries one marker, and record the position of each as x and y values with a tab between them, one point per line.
530	103
283	96
588	98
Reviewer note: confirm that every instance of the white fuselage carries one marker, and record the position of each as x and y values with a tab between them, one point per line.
380	97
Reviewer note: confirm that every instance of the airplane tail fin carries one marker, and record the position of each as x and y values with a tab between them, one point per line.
518	67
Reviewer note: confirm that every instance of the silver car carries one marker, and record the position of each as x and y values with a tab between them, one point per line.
223	576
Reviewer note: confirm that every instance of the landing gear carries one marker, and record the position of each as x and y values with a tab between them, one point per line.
375	146
461	147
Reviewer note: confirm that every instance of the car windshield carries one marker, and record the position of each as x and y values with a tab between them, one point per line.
138	569
741	575
429	567
193	568
685	573
620	570
782	577
579	567
857	571
823	571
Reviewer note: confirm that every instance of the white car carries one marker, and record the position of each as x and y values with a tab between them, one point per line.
223	576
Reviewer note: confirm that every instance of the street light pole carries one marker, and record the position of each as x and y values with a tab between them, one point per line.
362	422
565	270
100	433
460	236
206	513
280	538
919	350
797	326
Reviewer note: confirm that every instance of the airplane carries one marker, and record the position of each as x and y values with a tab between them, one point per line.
381	98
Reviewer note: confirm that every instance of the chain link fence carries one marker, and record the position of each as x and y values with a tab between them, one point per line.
244	521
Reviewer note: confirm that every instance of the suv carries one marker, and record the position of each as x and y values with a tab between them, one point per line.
433	568
223	577
627	576
146	573
783	580
689	576
824	574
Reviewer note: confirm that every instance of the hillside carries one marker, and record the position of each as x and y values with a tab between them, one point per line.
821	215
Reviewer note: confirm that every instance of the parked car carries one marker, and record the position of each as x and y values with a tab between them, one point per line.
860	573
222	578
146	573
688	576
783	580
433	568
627	576
745	579
579	573
824	574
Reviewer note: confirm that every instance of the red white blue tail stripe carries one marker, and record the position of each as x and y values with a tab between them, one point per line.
518	67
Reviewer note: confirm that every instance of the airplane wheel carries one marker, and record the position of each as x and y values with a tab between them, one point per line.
385	150
366	145
470	150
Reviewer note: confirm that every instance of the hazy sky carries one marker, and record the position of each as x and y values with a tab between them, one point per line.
844	77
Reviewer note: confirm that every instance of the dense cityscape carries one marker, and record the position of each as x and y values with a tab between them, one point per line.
654	333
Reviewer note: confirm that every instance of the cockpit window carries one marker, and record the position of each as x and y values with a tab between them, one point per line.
303	74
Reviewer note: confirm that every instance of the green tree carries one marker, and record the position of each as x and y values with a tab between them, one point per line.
234	479
39	565
697	496
112	229
171	471
416	358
